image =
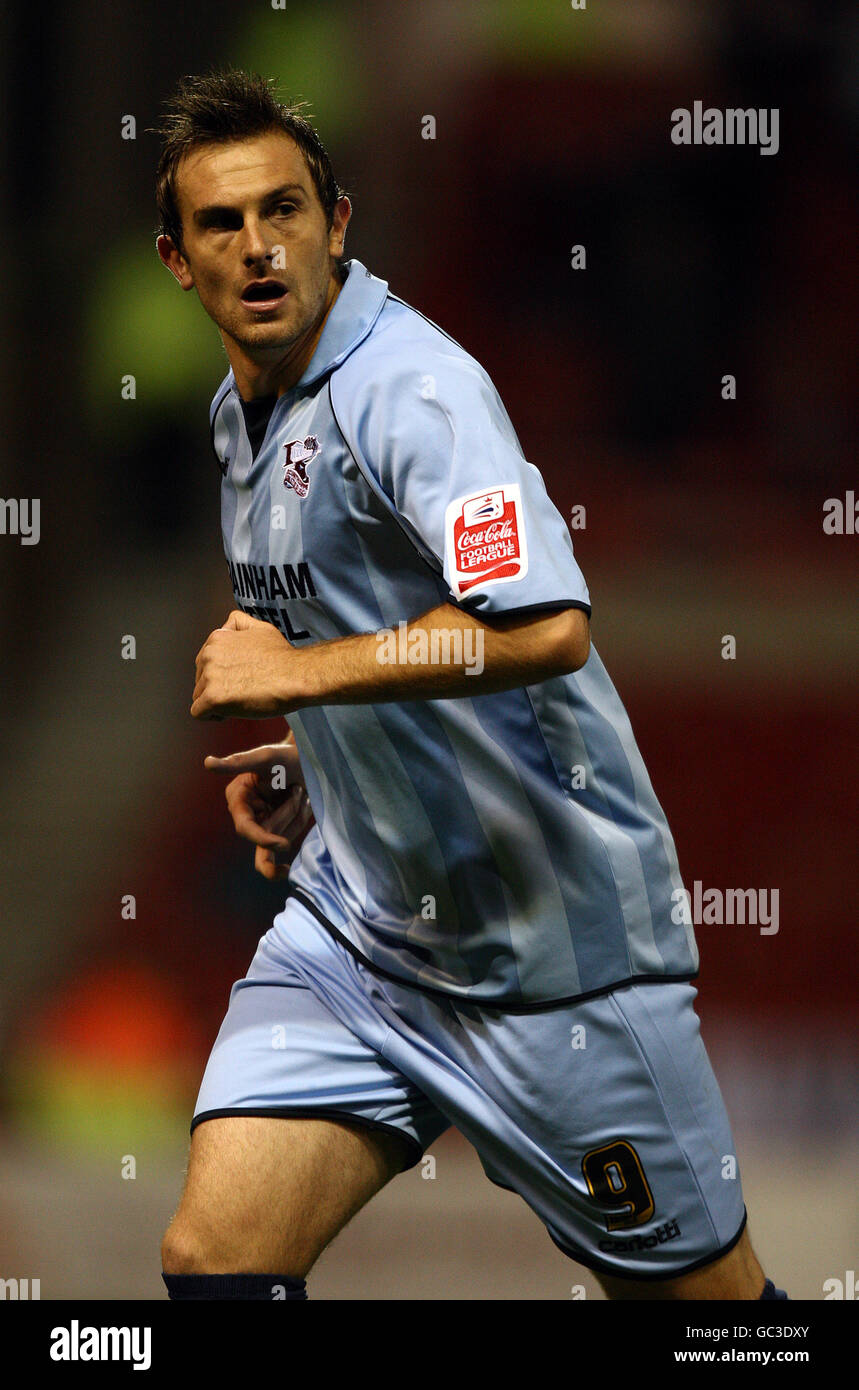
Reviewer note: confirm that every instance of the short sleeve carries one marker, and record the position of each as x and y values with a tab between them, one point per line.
431	432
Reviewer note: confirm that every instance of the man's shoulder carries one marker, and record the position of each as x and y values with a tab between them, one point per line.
401	324
405	348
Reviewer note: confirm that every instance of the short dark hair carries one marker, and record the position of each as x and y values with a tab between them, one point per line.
224	106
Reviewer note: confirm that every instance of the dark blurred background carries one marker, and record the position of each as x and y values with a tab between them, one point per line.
704	517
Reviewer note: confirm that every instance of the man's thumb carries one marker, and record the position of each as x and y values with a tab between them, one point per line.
238	620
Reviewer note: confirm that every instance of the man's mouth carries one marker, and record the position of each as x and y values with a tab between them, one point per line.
262	294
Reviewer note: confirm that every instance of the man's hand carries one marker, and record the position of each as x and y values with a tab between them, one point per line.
243	670
268	803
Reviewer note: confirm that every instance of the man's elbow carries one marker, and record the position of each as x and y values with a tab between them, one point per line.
571	644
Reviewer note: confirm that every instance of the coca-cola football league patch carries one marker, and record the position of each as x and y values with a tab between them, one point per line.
485	539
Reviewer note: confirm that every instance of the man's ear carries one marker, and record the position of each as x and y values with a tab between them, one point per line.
175	262
339	223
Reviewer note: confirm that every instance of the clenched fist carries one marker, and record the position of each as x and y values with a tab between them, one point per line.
245	670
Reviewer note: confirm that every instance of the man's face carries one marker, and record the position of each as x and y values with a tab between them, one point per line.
256	246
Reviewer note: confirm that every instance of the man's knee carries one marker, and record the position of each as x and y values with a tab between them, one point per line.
190	1249
194	1243
267	1194
183	1252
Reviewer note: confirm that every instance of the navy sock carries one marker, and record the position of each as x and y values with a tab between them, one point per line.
272	1288
770	1291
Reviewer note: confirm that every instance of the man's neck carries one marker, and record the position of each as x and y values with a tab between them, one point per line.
255	379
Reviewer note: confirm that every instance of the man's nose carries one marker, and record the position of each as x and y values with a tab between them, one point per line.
254	244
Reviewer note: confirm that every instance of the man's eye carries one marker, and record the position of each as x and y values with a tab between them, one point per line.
286	207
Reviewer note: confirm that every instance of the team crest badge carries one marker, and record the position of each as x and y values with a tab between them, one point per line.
485	539
299	452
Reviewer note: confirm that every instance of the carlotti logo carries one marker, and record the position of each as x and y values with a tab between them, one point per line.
485	539
670	1230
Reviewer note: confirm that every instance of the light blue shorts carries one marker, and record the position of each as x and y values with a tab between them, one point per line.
604	1115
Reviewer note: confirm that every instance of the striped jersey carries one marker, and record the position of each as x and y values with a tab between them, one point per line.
507	849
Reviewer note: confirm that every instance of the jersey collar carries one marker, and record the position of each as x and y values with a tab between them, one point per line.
355	310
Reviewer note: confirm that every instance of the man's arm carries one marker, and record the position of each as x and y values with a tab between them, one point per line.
247	669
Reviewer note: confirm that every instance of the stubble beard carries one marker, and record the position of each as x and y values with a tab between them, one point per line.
253	337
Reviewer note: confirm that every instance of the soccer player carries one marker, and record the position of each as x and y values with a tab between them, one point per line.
480	925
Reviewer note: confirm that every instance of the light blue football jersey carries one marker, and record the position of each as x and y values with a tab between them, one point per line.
505	848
